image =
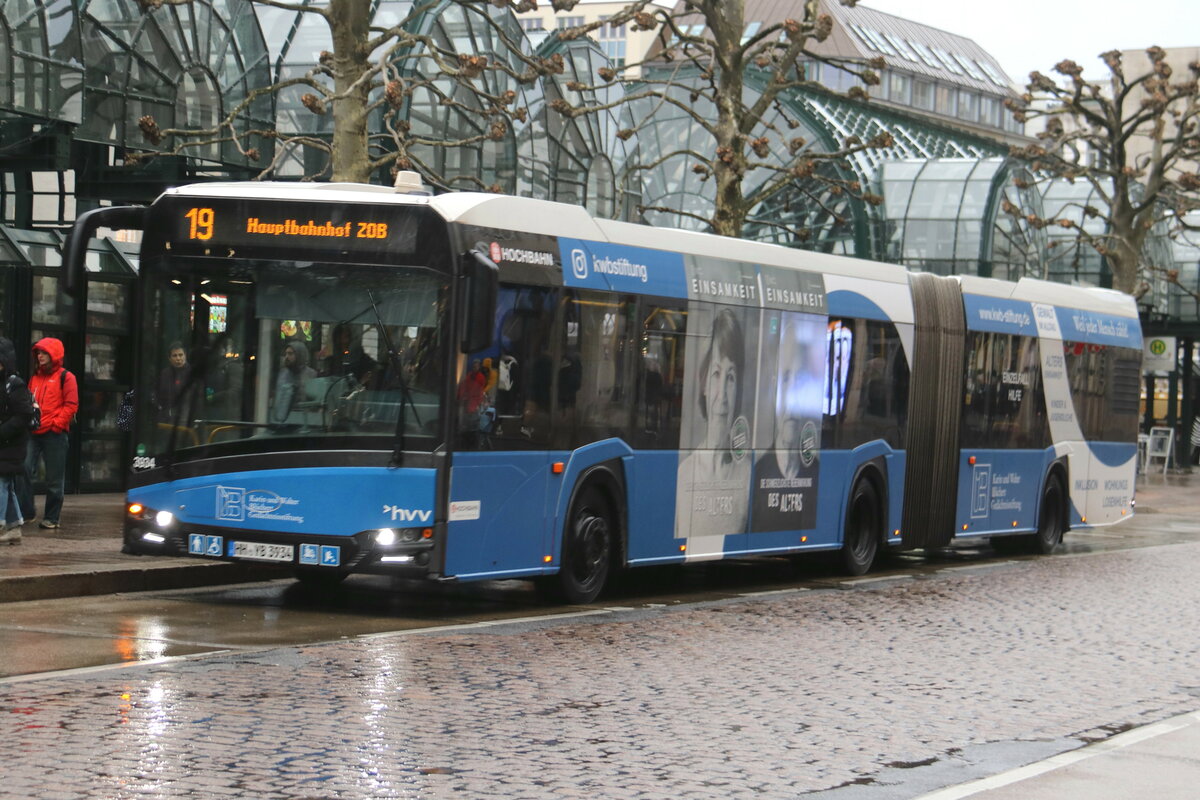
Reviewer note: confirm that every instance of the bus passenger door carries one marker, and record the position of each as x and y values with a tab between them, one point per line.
499	502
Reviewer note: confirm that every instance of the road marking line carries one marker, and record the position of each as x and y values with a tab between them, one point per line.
768	592
1118	742
467	626
77	671
981	565
880	579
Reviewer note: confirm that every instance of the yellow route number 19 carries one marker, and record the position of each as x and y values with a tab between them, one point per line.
202	223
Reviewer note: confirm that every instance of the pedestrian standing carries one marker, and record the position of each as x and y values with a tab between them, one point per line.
56	391
16	407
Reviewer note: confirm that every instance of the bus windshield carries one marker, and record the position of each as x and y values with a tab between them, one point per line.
244	356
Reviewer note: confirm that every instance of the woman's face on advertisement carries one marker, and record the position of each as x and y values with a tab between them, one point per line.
721	394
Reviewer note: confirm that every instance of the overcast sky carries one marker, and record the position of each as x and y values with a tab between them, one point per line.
1025	35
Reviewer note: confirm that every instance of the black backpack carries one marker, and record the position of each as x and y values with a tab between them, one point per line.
35	419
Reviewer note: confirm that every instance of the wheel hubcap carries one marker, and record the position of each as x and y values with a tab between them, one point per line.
592	544
864	524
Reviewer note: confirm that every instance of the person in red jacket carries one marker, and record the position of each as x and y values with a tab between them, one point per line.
57	392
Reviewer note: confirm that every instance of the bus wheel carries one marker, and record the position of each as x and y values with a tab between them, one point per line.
1050	519
860	543
587	547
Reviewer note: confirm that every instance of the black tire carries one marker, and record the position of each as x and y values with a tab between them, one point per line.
862	531
1050	518
587	548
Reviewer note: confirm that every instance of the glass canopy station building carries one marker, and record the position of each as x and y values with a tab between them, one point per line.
78	78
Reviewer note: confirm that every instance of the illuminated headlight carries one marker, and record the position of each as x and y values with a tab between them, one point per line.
153	537
164	518
385	537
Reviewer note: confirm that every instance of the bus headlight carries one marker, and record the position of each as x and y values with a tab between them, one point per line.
164	519
385	537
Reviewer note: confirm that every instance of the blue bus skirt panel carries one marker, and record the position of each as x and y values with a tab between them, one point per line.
1000	492
507	509
838	470
497	522
651	479
339	502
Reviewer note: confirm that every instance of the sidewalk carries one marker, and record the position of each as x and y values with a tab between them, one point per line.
83	557
1159	760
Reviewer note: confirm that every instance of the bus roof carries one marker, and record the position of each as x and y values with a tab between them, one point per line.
1033	290
529	215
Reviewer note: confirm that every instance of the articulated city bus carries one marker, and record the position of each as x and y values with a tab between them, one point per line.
344	378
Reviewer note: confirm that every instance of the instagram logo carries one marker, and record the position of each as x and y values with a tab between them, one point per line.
579	264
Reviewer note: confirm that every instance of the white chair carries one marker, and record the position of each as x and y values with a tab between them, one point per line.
1161	445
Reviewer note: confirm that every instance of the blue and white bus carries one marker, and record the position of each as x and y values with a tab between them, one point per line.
471	386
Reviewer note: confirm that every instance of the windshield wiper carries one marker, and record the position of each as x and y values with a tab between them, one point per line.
406	397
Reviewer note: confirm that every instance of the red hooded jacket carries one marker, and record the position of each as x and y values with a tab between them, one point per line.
58	396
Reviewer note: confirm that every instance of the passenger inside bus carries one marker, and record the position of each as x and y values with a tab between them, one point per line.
343	356
291	383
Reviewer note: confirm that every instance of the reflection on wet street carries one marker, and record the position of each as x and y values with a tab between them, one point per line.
76	633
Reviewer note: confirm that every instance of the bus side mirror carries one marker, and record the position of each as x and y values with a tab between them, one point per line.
132	218
483	280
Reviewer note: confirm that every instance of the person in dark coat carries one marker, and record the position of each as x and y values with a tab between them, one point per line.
178	395
16	407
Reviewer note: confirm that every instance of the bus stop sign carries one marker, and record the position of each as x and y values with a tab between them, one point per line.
1159	354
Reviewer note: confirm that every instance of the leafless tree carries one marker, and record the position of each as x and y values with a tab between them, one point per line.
374	70
1134	139
733	87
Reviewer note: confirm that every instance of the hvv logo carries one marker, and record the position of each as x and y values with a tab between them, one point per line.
407	514
579	264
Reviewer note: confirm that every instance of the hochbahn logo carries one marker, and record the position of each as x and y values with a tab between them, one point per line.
520	255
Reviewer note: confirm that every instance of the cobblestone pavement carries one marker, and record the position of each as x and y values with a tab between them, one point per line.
764	697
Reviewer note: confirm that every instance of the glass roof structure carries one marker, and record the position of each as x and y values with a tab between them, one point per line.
76	78
586	157
41	66
826	221
506	163
187	66
943	217
1184	305
542	155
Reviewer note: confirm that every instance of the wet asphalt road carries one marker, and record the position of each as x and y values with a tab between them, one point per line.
73	633
750	679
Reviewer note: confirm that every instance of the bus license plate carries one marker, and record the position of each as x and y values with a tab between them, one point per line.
258	551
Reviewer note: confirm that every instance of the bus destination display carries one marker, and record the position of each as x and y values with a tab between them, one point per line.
213	227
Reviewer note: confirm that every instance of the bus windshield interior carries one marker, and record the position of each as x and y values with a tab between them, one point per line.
289	355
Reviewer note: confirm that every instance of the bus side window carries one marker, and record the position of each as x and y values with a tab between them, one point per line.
596	370
977	397
866	392
523	357
660	377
